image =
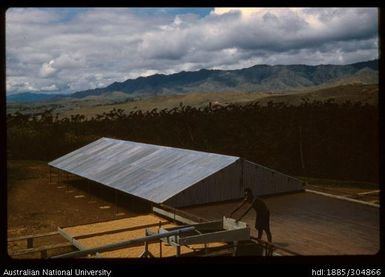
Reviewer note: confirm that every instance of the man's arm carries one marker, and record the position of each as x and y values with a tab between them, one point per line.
237	208
248	209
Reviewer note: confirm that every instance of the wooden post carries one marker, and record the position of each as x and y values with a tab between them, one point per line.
30	243
235	243
44	254
49	175
178	247
300	148
145	248
241	179
116	203
160	241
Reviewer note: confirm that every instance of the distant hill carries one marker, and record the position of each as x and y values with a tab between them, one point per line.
32	97
258	78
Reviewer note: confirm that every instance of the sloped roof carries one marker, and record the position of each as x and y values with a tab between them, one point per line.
152	172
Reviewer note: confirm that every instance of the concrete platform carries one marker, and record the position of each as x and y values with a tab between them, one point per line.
311	224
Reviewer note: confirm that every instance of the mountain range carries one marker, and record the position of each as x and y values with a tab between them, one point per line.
258	78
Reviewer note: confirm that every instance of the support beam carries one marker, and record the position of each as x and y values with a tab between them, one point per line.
160	242
71	239
33	236
173	216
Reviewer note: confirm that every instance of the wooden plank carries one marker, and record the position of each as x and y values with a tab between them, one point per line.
33	236
117	230
182	213
221	236
40	249
173	216
72	240
216	225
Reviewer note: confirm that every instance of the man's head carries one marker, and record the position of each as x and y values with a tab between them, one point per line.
248	195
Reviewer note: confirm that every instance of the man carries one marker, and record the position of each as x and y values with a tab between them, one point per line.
262	221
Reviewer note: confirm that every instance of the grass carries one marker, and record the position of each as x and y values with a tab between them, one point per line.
168	102
97	105
339	183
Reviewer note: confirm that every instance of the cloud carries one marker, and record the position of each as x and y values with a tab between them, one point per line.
48	69
77	49
52	87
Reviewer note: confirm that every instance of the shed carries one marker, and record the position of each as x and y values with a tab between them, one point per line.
173	176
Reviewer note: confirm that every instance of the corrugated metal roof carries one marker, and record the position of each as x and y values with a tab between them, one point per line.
152	172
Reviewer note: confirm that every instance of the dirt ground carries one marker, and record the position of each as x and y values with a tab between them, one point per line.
35	206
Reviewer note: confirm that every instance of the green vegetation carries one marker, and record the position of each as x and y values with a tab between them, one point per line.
338	141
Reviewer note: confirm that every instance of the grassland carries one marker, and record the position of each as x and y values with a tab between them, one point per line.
91	106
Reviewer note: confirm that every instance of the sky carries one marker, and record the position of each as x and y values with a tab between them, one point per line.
64	50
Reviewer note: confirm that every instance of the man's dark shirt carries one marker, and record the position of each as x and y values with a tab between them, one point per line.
260	207
263	214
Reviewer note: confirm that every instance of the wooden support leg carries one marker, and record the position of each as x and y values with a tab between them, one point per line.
235	243
116	203
30	243
160	241
146	253
44	254
178	247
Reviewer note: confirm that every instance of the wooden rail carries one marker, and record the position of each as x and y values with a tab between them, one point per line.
43	250
181	213
30	238
270	247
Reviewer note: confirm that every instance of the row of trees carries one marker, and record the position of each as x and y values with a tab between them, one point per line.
319	139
